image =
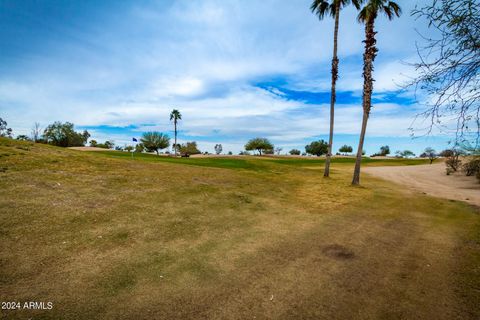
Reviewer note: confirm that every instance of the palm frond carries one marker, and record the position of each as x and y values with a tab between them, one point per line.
321	8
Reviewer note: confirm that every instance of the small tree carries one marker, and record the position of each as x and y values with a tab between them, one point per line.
109	144
154	141
259	144
345	149
63	135
453	162
431	154
129	148
218	148
230	153
188	148
139	148
4	131
405	154
384	150
294	152
36	131
317	148
93	143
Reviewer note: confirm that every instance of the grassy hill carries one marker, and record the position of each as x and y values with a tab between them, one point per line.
103	236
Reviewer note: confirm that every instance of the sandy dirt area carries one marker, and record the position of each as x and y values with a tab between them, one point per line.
432	180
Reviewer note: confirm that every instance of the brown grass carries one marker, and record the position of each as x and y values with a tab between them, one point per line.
107	238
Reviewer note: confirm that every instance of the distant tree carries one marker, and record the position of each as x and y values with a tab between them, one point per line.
36	130
118	148
384	150
128	148
345	149
259	144
175	115
188	148
230	153
154	141
405	154
63	135
431	154
4	131
93	143
244	153
218	148
317	148
446	153
295	152
139	148
109	144
23	137
278	150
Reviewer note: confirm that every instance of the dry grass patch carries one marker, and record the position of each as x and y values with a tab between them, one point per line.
109	238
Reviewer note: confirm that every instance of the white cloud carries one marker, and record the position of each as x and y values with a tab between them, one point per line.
204	57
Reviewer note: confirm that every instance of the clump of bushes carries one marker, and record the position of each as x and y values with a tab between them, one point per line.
472	167
452	162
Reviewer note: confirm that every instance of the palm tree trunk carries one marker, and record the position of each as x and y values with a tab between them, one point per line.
175	127
368	58
333	93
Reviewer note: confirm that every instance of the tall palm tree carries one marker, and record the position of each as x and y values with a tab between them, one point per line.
323	8
175	115
367	15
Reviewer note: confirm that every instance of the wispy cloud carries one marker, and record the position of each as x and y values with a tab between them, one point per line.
235	69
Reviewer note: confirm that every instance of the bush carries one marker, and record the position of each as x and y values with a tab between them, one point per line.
294	152
472	167
453	162
188	148
107	145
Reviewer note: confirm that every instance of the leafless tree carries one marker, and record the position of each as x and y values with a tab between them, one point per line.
36	131
448	69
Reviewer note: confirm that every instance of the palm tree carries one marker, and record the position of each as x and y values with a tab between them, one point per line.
175	115
154	141
322	8
367	15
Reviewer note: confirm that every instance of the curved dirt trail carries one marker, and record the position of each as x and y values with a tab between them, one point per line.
432	180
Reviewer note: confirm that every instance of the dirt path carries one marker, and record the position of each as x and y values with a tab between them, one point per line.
432	180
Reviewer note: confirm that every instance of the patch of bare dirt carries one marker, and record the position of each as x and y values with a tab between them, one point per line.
431	180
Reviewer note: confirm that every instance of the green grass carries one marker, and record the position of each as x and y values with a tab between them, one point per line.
252	162
103	236
230	163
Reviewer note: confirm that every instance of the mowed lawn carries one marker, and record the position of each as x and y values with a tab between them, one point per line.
104	236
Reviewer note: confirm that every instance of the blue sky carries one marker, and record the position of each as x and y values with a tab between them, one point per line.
235	70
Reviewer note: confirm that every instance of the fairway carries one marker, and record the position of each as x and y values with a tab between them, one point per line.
105	236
